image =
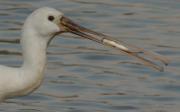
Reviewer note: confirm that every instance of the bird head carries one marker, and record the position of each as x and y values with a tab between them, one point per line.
48	22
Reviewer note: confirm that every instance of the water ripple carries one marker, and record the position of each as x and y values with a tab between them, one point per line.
83	76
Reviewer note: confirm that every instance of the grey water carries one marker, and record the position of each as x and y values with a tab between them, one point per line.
83	76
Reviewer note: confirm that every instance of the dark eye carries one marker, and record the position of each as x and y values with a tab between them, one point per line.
50	18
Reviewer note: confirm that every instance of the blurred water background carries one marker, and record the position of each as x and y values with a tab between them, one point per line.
83	76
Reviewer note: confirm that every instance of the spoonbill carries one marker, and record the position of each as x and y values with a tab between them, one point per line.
38	30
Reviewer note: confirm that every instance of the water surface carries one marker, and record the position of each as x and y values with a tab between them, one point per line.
83	76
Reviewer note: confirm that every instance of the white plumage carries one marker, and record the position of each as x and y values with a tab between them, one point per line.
38	30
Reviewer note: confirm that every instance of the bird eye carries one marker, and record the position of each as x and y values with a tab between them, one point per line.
50	18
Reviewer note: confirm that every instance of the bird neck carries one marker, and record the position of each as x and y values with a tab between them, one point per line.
34	52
